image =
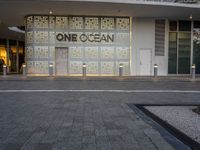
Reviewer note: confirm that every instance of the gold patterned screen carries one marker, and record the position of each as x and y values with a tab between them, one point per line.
101	58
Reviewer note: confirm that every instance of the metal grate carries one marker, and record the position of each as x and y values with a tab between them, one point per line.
160	38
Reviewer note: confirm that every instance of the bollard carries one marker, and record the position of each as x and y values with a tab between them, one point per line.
155	70
4	70
24	69
50	69
193	71
120	70
84	69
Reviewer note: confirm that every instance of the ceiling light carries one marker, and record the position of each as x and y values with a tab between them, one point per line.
190	17
50	12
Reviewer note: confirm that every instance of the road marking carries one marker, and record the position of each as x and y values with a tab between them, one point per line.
101	91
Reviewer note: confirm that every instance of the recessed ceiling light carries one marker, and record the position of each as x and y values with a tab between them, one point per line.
190	17
50	12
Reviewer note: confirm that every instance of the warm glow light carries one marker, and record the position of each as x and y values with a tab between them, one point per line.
84	65
155	66
193	66
3	53
190	17
120	65
50	12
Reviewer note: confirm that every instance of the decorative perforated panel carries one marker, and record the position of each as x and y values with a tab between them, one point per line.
40	21
41	52
76	52
107	23
107	67
107	52
102	43
29	52
41	36
123	23
91	23
29	22
75	67
92	67
76	22
122	52
61	22
41	67
29	37
91	52
51	22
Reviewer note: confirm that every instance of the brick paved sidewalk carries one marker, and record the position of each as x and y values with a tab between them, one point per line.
85	121
62	125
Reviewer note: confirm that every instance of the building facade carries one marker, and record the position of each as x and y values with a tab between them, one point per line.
105	43
106	35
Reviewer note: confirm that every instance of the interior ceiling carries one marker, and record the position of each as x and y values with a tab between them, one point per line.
12	13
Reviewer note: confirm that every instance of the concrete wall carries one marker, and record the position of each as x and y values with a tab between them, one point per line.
143	38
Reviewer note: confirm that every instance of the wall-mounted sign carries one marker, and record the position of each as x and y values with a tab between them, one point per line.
109	38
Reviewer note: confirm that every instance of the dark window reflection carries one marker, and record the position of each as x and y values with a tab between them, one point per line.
173	25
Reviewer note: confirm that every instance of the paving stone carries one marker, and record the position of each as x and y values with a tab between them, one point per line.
13	146
157	139
50	136
28	146
87	132
88	146
23	136
2	146
60	146
144	141
117	131
88	139
44	146
73	121
36	137
103	143
100	131
130	142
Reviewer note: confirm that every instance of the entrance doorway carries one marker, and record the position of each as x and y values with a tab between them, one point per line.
145	61
61	61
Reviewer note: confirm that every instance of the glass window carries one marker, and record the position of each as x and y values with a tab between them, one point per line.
173	25
3	54
184	25
196	46
13	56
196	24
172	62
21	54
184	53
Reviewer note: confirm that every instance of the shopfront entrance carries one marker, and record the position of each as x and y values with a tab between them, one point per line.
12	55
